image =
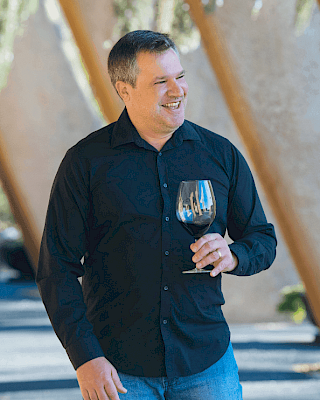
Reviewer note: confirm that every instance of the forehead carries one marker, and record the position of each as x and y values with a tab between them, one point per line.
152	65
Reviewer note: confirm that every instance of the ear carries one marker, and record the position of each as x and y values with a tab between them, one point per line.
123	90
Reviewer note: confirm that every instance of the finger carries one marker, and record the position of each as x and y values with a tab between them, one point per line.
117	382
223	265
103	394
85	394
217	270
111	390
204	239
206	249
229	263
210	259
93	395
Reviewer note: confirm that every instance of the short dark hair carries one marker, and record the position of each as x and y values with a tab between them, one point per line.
122	65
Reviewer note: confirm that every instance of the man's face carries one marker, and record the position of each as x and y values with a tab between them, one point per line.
157	103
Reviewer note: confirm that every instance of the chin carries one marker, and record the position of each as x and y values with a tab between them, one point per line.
176	122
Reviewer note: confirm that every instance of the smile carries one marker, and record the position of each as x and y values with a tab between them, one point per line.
172	105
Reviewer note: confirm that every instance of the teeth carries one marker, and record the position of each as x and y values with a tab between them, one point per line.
172	104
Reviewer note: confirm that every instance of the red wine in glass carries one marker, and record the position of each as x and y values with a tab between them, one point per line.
196	209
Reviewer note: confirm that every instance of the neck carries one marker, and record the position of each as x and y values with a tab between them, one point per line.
156	137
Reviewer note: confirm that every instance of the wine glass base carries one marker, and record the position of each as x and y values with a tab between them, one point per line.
196	271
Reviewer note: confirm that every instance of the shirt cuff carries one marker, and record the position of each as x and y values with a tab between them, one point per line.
84	349
243	259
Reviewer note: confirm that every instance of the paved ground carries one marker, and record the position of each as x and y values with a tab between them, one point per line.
35	367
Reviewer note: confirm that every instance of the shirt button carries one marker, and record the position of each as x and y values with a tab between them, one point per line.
167	219
166	288
165	185
165	321
160	154
166	253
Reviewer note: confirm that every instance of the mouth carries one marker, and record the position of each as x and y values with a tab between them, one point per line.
172	106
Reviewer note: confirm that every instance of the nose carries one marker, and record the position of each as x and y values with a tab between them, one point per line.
177	89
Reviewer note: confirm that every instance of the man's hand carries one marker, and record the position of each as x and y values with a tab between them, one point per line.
99	380
212	249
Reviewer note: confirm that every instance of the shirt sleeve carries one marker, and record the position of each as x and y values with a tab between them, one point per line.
63	246
254	238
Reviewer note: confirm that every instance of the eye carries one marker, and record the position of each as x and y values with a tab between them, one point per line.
159	82
181	76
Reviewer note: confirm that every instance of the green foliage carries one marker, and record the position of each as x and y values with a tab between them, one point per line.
13	14
6	217
132	15
183	31
304	10
292	302
209	6
143	14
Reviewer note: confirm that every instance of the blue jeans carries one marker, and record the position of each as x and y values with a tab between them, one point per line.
218	382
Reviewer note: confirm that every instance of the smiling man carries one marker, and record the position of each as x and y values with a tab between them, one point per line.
156	103
139	328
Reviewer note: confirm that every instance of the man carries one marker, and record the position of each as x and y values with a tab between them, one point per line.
138	322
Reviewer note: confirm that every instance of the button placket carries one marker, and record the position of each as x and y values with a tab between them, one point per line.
165	245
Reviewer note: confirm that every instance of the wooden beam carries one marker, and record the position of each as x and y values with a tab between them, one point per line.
279	198
19	208
101	85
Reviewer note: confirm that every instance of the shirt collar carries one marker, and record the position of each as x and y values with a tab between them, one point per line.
124	132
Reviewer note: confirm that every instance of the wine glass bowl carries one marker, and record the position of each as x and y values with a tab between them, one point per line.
196	209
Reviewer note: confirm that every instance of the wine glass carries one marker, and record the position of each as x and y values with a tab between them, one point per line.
196	210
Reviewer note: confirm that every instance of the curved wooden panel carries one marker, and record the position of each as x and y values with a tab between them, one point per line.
102	87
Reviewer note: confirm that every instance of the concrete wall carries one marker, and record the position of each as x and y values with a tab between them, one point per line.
280	74
42	112
206	106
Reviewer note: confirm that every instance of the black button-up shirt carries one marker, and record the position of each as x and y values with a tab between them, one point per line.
113	201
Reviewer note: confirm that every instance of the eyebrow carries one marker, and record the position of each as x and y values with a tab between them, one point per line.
159	78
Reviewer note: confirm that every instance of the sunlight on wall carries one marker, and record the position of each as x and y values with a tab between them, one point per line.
72	54
13	15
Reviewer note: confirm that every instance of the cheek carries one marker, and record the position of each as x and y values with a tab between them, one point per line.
150	99
142	103
147	108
